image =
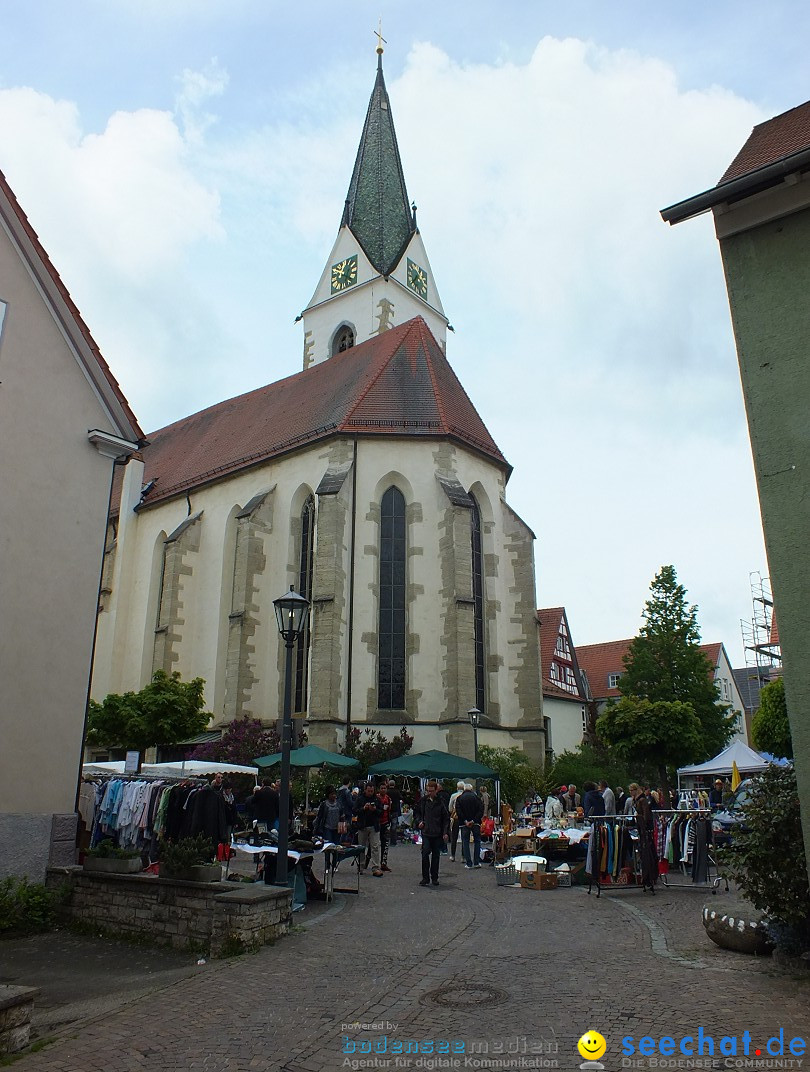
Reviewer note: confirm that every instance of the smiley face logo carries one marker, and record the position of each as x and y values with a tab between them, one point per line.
592	1046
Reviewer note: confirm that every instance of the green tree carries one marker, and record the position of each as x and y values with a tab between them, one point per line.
372	747
770	727
665	665
651	735
166	711
518	774
589	763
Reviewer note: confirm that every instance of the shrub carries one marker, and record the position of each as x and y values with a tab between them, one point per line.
187	852
589	763
766	858
108	850
519	776
26	906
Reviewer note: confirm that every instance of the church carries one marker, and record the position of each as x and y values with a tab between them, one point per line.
368	482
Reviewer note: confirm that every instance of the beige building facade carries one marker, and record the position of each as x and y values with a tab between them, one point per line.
63	424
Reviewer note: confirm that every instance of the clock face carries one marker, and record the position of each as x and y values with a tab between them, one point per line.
344	274
417	279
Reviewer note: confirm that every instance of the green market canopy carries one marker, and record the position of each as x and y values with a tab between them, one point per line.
309	756
433	764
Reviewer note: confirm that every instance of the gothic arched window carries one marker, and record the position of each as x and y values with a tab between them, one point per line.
305	562
391	667
478	606
343	340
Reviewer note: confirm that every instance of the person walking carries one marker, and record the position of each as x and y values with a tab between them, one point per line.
454	828
433	820
609	797
396	809
385	823
368	813
470	812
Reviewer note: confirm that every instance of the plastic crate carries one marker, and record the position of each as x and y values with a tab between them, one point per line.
506	874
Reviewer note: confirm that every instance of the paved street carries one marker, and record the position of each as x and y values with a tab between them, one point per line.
489	969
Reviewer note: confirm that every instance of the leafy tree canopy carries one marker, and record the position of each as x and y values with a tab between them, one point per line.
771	728
518	774
370	747
166	711
590	762
651	734
242	741
665	665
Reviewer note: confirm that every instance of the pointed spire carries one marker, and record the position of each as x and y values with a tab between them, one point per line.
377	207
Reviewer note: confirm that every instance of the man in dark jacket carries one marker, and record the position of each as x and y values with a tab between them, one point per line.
368	812
470	812
263	805
433	819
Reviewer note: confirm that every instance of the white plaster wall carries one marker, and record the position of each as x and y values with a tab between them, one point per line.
359	304
52	524
412	466
566	723
722	673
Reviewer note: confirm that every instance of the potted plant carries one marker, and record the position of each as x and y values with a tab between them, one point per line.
108	858
190	860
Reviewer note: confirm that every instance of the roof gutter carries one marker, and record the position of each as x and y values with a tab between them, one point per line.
736	189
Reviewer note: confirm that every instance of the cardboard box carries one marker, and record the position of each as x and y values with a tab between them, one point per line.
537	880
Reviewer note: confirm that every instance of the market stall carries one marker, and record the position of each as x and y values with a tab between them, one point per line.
738	754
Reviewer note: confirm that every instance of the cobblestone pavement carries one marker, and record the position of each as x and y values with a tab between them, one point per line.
513	969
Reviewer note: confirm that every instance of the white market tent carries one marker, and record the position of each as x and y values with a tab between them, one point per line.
196	768
115	766
189	768
748	762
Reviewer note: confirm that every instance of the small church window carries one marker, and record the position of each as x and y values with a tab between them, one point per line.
478	606
305	564
344	340
391	662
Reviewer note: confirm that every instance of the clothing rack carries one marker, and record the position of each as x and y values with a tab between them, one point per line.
639	850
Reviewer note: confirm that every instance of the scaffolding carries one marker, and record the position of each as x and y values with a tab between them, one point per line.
763	656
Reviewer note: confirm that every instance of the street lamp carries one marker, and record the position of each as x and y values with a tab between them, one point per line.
291	615
474	715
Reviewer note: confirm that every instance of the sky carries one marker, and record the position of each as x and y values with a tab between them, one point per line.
185	166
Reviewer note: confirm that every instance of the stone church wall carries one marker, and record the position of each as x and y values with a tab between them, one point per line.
194	579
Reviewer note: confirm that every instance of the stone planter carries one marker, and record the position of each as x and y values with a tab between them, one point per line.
737	930
197	873
110	865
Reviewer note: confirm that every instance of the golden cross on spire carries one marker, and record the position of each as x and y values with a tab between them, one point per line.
380	39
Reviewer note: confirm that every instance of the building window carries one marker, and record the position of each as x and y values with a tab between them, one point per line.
584	719
478	606
305	561
613	680
3	307
343	340
391	664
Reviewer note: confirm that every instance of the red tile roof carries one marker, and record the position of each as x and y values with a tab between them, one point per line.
771	141
549	619
600	660
134	430
396	384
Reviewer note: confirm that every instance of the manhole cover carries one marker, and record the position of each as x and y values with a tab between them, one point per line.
465	996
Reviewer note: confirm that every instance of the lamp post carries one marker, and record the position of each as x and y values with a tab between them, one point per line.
291	615
474	715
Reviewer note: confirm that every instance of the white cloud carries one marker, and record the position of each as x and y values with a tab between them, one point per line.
594	339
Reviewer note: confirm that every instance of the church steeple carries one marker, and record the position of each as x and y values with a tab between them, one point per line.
378	274
377	207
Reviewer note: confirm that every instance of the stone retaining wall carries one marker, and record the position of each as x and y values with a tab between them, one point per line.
213	917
